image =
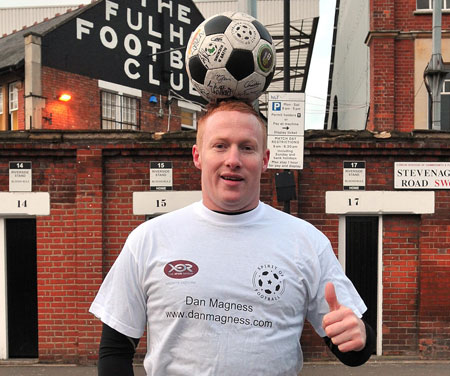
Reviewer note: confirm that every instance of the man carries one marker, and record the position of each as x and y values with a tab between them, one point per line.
225	284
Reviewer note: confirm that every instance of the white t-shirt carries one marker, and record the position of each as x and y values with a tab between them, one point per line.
222	294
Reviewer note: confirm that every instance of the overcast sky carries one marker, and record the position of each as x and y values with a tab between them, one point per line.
316	90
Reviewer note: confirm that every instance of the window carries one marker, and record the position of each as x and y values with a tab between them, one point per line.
1	100
428	4
120	111
188	114
13	97
445	106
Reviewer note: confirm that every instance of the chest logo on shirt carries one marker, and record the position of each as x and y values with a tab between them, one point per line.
180	269
268	282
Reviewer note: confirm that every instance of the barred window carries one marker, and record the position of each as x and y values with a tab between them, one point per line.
120	111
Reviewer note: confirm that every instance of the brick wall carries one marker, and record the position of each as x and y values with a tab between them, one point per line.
91	177
394	25
83	111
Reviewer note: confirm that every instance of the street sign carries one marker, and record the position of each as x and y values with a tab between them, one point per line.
354	175
285	131
161	176
422	175
20	176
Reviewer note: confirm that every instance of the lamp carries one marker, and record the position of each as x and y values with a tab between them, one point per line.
65	97
153	99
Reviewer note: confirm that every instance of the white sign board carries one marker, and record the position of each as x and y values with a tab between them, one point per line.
24	203
354	175
157	202
379	202
285	130
161	176
20	176
422	175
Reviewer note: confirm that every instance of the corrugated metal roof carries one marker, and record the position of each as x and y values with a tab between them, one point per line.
15	19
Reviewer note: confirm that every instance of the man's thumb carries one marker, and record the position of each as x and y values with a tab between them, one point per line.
330	297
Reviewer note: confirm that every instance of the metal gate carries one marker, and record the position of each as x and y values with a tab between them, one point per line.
361	260
21	288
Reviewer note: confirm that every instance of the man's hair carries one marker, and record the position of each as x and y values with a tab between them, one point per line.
230	105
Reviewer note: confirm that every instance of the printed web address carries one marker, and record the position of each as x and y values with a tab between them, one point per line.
223	319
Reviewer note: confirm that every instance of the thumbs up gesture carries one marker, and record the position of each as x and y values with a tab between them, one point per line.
345	329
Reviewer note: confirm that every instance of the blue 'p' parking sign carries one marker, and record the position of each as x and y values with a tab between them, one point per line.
276	106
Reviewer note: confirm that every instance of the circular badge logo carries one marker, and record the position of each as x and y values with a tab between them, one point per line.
268	282
265	58
244	32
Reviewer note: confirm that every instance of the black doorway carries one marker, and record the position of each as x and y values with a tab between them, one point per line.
361	261
21	287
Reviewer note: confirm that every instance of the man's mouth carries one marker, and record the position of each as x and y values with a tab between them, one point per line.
232	178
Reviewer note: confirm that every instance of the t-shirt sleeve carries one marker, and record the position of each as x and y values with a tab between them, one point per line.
121	300
331	271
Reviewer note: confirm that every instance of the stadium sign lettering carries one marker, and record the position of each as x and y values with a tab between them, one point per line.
135	43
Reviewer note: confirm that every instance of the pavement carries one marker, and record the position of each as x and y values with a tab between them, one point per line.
373	367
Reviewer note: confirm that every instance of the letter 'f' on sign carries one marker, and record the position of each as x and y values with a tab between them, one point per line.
276	106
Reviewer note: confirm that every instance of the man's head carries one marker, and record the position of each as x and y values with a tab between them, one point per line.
231	151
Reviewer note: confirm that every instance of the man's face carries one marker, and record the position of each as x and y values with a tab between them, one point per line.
231	158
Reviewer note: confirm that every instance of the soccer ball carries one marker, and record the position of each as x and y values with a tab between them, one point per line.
230	55
269	282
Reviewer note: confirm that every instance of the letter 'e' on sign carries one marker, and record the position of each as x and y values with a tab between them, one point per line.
20	176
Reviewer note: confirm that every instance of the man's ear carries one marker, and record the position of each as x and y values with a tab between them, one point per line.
266	157
196	157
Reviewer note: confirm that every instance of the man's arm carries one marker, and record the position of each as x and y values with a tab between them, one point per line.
349	337
116	353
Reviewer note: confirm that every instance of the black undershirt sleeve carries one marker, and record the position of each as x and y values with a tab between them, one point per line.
116	353
355	358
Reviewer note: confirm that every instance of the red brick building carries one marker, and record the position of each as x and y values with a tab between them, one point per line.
90	186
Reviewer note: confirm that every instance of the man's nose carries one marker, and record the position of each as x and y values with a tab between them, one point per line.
233	157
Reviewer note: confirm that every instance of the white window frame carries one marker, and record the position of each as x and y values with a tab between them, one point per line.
122	114
445	5
13	96
189	108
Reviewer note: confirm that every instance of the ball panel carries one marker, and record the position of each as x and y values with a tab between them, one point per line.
196	69
195	41
263	32
268	80
215	51
251	87
240	64
219	83
217	24
240	16
264	56
242	35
